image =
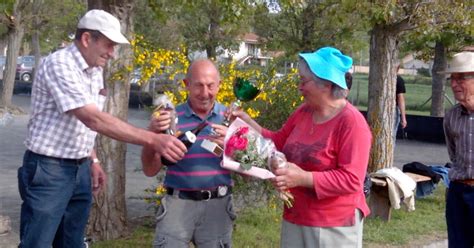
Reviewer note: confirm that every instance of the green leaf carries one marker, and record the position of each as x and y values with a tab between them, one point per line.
245	166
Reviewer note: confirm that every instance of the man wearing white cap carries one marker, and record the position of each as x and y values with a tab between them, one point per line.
60	169
458	130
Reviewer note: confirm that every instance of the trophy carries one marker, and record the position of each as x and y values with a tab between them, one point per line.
244	91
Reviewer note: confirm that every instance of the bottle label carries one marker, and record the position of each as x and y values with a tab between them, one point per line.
190	136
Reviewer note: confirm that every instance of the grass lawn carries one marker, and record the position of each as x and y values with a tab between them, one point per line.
260	227
427	223
418	91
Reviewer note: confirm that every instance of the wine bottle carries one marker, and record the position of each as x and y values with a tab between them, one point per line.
188	138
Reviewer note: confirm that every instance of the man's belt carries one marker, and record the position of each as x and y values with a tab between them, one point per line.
201	195
66	160
469	182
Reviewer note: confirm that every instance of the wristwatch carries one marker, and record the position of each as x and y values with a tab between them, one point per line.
95	161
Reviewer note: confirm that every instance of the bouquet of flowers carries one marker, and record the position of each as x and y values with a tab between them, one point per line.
248	148
247	152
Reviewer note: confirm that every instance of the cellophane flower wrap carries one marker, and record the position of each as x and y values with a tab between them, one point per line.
248	152
248	148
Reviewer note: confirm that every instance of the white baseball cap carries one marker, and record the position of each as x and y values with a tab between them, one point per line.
460	63
105	23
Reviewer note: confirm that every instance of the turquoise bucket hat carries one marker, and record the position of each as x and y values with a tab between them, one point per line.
330	64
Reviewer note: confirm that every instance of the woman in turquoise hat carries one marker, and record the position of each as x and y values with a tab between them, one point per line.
326	142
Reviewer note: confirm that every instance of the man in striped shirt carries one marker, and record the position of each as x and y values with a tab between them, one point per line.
198	205
459	130
60	168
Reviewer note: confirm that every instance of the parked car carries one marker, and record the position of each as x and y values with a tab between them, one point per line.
142	94
135	78
25	68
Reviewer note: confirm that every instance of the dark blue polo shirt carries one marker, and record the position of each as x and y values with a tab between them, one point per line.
199	169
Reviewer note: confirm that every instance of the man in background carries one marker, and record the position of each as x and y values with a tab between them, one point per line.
400	115
458	128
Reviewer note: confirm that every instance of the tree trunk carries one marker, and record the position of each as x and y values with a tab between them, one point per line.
211	45
108	219
35	40
25	48
14	37
3	45
307	30
381	106
438	89
210	52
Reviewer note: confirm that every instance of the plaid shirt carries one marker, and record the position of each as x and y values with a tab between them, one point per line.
64	81
459	129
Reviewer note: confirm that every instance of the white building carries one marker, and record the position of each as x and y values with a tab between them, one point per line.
249	52
410	65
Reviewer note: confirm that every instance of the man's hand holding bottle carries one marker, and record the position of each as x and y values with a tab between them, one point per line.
160	121
171	149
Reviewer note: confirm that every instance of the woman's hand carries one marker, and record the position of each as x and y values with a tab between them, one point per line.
245	117
291	176
241	114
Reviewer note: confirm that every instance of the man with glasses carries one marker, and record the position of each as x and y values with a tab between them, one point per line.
458	130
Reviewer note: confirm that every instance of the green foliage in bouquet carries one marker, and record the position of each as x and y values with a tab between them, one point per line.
250	156
242	147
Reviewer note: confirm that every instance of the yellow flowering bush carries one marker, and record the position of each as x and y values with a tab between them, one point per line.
153	196
276	91
170	65
279	95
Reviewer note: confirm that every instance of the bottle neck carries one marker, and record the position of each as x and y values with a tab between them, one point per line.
199	128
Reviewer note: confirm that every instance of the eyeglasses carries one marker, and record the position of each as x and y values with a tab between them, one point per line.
304	82
460	78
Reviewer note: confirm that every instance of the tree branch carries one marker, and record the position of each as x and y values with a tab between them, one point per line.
8	19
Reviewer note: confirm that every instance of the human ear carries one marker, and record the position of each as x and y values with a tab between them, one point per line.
86	39
186	82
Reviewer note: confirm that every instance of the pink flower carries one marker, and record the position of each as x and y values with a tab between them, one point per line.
235	143
242	131
240	143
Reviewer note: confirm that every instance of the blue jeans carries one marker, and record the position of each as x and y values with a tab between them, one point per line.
460	215
57	197
396	125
